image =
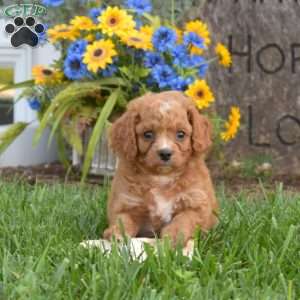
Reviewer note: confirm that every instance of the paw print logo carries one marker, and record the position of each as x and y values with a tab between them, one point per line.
24	31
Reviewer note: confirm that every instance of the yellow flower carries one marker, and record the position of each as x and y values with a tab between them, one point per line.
115	21
138	40
224	55
202	30
232	125
90	37
179	34
99	54
201	93
62	32
147	30
195	50
43	75
83	23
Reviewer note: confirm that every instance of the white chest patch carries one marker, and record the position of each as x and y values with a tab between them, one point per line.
163	180
162	208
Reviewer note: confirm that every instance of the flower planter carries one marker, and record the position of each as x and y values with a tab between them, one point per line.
104	161
104	65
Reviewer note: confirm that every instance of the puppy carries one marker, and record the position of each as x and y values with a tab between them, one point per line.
162	186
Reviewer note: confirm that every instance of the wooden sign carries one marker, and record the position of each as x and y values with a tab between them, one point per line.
264	81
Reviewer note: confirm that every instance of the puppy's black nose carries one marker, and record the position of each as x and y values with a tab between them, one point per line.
165	154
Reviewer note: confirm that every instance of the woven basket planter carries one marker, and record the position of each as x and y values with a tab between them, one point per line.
104	161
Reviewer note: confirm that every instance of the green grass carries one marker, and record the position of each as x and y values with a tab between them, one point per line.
253	254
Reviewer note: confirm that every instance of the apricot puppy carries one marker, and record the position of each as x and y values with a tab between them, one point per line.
162	186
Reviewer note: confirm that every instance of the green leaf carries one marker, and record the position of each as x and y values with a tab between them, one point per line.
98	130
28	83
142	72
154	20
73	137
62	151
60	114
122	102
45	121
8	136
72	94
288	240
115	81
135	73
41	261
60	272
126	71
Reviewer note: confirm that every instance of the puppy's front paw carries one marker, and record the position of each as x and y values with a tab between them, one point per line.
175	233
112	232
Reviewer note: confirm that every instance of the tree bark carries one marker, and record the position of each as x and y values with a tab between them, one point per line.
265	78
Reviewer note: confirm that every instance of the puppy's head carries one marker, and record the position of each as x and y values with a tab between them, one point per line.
161	132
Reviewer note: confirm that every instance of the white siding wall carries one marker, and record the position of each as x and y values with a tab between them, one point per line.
21	152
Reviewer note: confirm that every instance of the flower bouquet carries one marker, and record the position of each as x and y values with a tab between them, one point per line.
113	56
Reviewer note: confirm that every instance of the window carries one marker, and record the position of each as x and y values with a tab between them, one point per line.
15	66
6	97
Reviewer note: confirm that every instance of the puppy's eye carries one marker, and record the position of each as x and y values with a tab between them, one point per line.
149	135
180	135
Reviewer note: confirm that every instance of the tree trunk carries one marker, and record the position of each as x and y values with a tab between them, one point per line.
264	81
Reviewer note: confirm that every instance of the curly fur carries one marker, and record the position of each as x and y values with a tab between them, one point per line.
202	131
122	137
153	197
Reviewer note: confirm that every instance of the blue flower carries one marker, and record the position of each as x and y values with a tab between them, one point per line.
194	61
180	55
109	71
53	3
163	75
152	59
192	38
43	38
150	81
74	68
140	6
203	69
181	83
164	38
94	13
77	47
34	104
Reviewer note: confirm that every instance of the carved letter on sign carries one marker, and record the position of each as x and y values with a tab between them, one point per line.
264	78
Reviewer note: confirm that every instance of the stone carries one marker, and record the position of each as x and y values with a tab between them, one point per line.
264	39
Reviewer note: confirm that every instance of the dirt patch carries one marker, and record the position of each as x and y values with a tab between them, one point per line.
237	184
46	173
56	173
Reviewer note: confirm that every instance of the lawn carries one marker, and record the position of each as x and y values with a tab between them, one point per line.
254	253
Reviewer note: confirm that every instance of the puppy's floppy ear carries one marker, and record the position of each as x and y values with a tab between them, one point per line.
122	135
202	131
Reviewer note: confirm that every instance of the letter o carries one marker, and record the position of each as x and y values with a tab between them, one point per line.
278	129
260	64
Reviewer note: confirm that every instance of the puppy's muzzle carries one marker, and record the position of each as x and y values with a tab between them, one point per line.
165	154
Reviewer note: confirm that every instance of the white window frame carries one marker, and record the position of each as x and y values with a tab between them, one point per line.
21	62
